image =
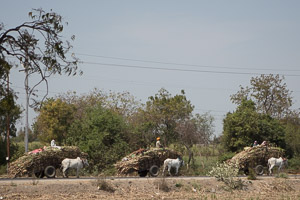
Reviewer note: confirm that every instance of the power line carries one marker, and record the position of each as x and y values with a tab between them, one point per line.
181	70
183	64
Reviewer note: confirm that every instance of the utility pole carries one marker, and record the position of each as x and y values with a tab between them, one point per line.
7	125
25	65
27	106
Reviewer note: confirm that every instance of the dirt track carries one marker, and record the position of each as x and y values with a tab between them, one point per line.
148	188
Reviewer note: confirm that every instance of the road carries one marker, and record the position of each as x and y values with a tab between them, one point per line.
88	179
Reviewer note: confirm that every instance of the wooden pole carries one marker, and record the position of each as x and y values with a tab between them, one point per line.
7	125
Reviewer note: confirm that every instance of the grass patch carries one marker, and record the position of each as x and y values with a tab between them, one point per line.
282	175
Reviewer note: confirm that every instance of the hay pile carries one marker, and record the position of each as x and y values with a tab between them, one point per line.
142	160
253	156
36	162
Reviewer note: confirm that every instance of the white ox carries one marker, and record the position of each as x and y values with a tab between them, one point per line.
77	163
278	162
175	163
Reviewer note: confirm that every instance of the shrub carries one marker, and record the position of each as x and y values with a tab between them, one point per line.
104	185
227	174
252	174
294	164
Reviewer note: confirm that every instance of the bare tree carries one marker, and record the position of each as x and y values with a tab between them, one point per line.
197	130
38	46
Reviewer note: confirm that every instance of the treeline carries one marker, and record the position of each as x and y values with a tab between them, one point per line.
107	126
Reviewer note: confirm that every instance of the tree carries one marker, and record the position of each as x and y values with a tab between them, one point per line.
292	134
197	130
246	125
10	112
38	46
54	120
122	103
162	113
102	134
269	93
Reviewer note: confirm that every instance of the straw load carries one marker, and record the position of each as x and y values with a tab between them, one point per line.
253	156
37	160
142	160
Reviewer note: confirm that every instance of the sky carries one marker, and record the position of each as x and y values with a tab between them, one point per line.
207	48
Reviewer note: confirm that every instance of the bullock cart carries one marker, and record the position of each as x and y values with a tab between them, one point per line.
43	162
145	162
255	158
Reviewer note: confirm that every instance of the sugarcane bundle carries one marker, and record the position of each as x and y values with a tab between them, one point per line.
30	162
253	156
142	160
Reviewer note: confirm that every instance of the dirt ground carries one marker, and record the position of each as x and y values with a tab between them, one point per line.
149	188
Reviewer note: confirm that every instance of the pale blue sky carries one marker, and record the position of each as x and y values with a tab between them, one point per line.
254	36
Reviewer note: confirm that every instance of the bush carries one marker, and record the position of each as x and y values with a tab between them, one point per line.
102	184
3	169
252	174
227	174
294	164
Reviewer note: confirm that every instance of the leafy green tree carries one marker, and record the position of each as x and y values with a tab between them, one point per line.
269	93
54	120
9	110
102	134
162	113
246	125
122	104
292	135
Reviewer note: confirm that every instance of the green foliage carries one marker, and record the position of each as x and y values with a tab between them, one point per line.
292	137
282	175
294	164
269	93
3	169
9	110
54	120
161	114
225	156
102	134
246	125
252	174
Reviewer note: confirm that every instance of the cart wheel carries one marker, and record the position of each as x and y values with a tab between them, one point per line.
50	171
143	173
259	170
154	170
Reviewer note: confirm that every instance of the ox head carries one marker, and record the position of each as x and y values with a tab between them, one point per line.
84	162
181	161
285	162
